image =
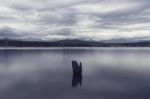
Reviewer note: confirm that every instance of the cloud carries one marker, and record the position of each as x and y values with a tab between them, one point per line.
7	31
83	19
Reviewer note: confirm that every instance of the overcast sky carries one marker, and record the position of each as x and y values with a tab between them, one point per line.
75	19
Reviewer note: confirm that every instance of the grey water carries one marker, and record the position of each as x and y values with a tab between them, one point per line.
107	73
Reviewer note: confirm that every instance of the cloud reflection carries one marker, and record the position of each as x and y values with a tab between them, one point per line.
43	78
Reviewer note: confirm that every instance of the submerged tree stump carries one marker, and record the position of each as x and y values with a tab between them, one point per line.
77	68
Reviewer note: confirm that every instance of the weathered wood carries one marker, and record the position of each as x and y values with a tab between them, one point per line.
77	69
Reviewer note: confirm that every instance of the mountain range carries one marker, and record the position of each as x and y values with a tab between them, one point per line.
70	43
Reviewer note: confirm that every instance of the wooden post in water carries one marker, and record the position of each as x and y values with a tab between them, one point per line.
77	73
77	68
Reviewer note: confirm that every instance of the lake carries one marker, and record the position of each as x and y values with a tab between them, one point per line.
108	73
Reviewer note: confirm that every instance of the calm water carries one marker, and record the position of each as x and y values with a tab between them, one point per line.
108	73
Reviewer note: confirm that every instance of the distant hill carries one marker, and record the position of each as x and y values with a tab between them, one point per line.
68	43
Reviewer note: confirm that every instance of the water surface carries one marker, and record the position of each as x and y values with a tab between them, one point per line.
108	73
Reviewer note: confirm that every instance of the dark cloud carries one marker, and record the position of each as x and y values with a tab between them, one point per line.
64	32
62	18
9	32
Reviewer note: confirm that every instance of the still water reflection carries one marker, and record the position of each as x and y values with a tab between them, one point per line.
108	73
